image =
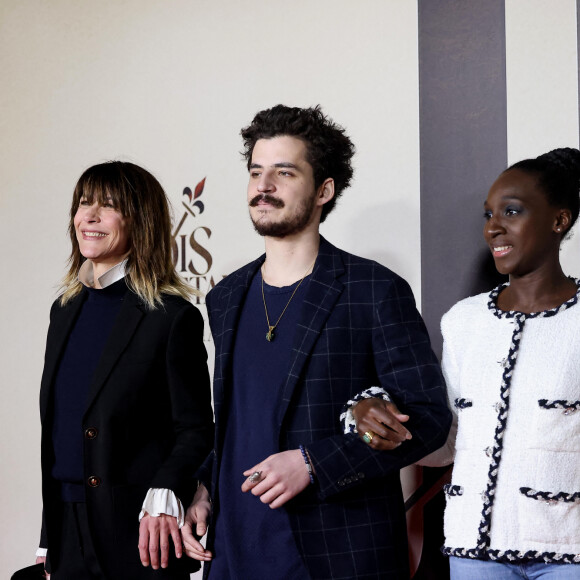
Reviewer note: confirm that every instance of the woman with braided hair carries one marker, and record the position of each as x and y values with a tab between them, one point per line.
511	359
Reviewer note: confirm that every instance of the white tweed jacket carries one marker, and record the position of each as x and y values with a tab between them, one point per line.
513	385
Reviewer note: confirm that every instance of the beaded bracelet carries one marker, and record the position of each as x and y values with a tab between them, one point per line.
308	464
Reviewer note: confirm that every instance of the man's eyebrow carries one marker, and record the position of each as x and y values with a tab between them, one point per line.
285	164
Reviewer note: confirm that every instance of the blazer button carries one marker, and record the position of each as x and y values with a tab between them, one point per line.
91	433
94	481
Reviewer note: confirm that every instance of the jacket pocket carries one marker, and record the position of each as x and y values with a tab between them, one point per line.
567	407
550	518
556	425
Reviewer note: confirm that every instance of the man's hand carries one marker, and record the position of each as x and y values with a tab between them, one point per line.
42	560
197	515
384	420
282	476
154	533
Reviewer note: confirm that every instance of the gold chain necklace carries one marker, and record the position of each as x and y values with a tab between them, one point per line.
271	328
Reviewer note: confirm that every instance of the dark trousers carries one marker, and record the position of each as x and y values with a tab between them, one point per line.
77	559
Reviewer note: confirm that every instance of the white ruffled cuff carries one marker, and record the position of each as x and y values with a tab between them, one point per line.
163	501
347	418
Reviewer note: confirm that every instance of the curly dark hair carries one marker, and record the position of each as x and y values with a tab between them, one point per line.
329	149
558	174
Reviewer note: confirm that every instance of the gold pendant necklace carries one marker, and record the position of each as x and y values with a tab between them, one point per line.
271	327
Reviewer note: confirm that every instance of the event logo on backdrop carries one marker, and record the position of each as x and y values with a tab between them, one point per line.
191	254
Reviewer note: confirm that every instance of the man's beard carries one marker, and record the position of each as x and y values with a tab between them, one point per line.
291	225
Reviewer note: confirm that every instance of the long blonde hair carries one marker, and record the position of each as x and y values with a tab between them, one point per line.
140	198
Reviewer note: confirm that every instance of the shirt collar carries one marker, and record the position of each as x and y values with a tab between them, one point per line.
111	276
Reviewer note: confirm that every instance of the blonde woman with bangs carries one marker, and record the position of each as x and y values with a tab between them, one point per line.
125	396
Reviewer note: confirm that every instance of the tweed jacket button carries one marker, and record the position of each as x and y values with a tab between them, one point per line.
91	433
503	362
94	481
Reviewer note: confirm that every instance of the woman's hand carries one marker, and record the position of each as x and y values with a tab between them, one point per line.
42	560
154	533
383	420
197	516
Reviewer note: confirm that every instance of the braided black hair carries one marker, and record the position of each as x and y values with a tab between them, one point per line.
558	173
329	149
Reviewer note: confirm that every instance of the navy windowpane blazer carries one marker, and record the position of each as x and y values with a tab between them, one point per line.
358	327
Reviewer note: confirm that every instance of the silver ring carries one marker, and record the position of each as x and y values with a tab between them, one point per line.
255	477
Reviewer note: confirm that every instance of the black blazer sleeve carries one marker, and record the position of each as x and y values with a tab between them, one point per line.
190	403
43	541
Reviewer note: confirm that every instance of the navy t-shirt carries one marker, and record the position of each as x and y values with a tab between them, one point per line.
251	539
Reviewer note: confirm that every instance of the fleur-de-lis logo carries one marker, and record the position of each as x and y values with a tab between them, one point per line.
190	249
194	202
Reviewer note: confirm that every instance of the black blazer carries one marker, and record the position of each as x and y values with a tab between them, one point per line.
147	423
358	327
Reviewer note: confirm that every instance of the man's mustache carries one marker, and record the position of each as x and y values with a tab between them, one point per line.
268	199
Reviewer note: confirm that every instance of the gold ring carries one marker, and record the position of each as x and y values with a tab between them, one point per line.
368	437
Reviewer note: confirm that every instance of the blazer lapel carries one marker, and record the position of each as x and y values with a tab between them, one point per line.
123	330
63	319
323	292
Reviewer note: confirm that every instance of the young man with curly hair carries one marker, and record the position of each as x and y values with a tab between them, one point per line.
298	332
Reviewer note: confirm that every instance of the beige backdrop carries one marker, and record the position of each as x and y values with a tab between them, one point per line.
168	85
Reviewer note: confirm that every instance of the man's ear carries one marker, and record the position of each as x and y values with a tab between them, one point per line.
325	192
